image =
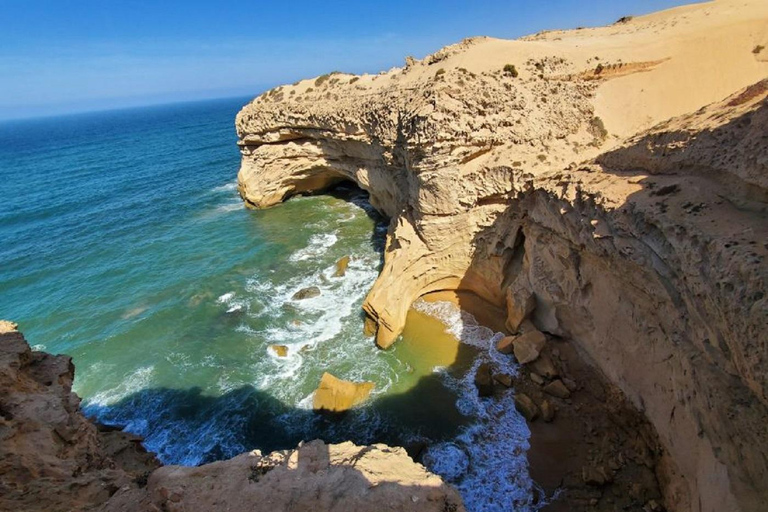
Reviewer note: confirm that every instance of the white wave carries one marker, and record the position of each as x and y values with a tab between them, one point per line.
230	207
225	298
227	187
318	245
487	461
138	380
38	348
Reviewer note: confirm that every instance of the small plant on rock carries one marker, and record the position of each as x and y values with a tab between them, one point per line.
511	70
440	72
757	49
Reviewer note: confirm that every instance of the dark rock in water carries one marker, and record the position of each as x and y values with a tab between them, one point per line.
484	380
341	267
504	379
306	293
526	406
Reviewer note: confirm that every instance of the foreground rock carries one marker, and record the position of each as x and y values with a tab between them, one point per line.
609	193
314	477
53	459
337	395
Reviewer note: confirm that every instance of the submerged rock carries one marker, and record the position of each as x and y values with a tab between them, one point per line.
337	395
280	350
306	293
341	267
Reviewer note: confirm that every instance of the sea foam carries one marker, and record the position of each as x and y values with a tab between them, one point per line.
487	461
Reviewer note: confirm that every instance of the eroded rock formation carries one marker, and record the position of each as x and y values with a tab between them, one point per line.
608	192
53	459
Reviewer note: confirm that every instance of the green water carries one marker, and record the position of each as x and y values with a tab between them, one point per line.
124	244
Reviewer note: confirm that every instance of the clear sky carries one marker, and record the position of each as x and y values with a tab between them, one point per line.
59	56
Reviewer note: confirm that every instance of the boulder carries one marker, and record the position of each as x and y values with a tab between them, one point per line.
557	388
526	406
520	303
280	350
504	379
341	267
544	367
547	411
337	395
306	293
505	344
484	380
528	346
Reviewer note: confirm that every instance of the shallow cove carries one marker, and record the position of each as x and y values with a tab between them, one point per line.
139	260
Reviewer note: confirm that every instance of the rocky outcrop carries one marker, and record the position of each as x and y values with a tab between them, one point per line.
635	230
51	456
315	476
337	395
53	459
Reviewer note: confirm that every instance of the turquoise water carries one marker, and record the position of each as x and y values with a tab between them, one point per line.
125	245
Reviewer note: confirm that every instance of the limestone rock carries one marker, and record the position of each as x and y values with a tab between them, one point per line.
506	344
528	346
526	406
306	293
337	395
649	255
547	411
341	267
315	476
280	350
557	388
484	380
504	379
520	304
544	366
53	458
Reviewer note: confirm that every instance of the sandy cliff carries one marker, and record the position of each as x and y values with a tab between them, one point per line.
53	459
615	179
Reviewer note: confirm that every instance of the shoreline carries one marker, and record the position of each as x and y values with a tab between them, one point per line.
568	456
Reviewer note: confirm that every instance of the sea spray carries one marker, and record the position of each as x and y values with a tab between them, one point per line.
487	460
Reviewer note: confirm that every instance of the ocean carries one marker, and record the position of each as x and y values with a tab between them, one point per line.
126	246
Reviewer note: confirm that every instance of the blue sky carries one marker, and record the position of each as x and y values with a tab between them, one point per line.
59	56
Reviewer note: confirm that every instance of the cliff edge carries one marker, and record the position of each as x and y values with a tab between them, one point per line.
54	459
607	184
